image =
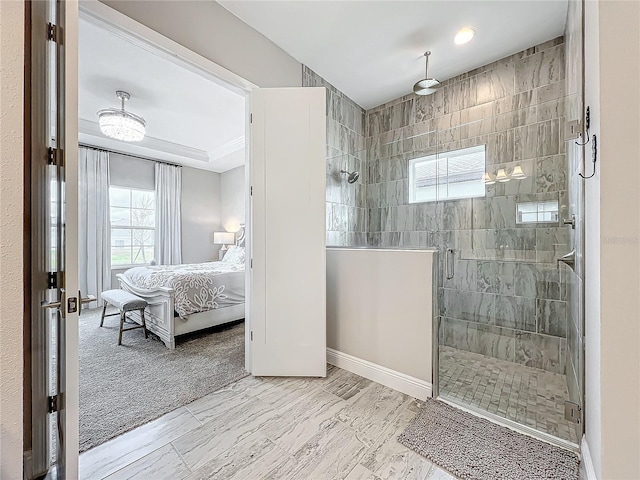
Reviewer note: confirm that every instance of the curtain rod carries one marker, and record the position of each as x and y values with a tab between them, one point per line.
141	157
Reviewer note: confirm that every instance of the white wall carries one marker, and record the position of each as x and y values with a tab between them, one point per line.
612	278
200	215
379	307
232	195
593	405
11	237
216	34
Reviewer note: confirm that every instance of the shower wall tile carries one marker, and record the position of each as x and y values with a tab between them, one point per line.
540	351
542	68
496	212
496	83
495	342
537	140
455	215
460	334
551	173
465	277
551	317
500	147
345	139
550	92
550	110
506	298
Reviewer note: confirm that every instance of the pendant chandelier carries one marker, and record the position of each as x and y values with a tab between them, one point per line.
120	124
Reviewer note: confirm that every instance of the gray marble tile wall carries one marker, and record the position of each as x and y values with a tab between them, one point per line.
346	203
575	162
506	299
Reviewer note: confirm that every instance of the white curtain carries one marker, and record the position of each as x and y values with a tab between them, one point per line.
168	218
94	223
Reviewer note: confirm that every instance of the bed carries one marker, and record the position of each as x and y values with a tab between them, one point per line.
189	297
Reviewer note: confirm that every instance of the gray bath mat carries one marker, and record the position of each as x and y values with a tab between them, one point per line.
473	448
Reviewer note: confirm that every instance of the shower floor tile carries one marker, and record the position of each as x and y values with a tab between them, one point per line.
527	395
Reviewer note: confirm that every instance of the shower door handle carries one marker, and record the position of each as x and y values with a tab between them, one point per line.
448	253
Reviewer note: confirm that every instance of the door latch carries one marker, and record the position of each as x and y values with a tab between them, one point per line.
72	304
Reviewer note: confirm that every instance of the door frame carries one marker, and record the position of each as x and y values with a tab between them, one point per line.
132	31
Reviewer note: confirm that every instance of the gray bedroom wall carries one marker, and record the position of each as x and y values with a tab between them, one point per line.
346	208
213	32
131	172
200	215
515	107
232	195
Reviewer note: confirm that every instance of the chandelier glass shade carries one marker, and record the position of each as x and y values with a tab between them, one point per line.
120	124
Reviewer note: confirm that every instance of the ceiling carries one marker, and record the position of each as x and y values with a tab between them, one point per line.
373	50
190	120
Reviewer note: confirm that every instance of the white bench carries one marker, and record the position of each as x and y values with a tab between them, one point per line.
124	302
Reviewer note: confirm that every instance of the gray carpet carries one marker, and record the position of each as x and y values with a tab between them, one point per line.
122	387
472	448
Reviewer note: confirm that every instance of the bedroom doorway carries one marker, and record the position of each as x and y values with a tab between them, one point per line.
163	233
105	212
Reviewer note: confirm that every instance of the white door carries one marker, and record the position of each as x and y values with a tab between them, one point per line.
288	274
55	299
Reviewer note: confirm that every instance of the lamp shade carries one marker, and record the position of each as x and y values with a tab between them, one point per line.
518	173
223	238
502	176
486	178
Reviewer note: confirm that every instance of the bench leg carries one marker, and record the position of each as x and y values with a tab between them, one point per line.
122	317
104	310
144	324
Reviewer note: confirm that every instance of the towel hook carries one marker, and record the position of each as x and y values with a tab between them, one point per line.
587	124
594	156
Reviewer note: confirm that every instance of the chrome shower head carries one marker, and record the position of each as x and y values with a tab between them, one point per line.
426	86
353	176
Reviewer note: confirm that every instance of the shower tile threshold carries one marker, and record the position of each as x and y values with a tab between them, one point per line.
526	395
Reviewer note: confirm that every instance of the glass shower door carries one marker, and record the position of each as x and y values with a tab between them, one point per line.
507	308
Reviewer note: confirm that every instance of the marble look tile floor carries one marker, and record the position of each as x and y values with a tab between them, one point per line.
527	395
339	427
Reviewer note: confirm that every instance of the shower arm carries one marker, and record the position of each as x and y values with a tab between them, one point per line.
426	64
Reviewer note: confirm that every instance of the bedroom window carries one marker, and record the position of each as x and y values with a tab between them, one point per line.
447	176
133	220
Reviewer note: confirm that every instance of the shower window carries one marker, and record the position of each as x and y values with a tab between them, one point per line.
447	176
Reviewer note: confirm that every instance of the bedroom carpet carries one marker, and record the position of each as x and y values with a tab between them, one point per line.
473	448
122	387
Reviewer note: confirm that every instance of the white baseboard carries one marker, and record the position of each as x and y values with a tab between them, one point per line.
587	461
407	384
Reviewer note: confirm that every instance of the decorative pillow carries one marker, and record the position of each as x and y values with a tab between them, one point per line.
234	254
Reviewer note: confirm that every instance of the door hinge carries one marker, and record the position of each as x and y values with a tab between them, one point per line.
52	32
572	130
572	412
251	191
52	280
252	335
251	118
251	263
52	156
52	404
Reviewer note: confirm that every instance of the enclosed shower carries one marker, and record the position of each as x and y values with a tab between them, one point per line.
485	170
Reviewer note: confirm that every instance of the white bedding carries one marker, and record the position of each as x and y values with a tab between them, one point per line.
198	287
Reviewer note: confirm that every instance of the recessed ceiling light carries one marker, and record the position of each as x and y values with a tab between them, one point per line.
464	35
